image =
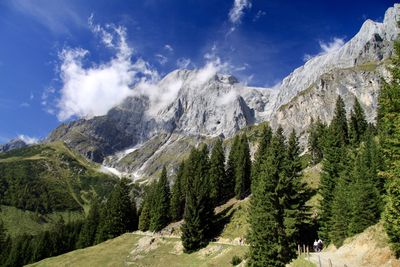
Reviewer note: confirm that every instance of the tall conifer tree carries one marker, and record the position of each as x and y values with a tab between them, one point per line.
199	212
333	164
178	194
160	210
217	174
357	123
293	195
267	233
243	168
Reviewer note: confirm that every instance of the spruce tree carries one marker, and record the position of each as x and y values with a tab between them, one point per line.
229	186
160	211
199	212
217	173
178	194
316	138
242	168
261	154
144	218
89	229
293	195
267	233
118	215
365	199
333	164
357	123
340	218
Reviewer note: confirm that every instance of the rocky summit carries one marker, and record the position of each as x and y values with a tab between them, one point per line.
159	124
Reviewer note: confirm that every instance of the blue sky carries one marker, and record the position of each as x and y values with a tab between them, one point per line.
47	44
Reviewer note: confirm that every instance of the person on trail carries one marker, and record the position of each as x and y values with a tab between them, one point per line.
315	246
320	245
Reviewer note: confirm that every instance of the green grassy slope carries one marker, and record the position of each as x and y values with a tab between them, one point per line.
45	180
19	221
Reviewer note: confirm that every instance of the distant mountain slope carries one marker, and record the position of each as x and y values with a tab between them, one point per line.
195	105
49	177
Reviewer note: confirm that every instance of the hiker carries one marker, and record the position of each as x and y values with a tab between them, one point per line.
315	246
320	245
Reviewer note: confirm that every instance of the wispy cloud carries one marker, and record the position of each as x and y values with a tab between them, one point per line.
169	48
327	47
237	11
92	91
28	139
55	15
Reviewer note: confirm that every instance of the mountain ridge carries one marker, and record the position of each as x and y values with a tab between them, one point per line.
208	104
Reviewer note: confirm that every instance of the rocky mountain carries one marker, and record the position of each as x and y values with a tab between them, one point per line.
192	106
13	144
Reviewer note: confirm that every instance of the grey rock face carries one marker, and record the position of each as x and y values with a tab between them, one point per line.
191	104
13	144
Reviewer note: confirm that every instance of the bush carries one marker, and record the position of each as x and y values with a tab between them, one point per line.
236	260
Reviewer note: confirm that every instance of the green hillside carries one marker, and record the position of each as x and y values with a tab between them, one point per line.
41	181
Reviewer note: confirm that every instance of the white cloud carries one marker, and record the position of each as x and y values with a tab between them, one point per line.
183	63
161	59
327	48
237	11
332	46
213	66
160	95
168	48
92	91
28	140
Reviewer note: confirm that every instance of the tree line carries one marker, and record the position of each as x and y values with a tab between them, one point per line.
105	220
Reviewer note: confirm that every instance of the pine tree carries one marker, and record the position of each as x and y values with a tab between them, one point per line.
242	169
338	124
160	211
88	233
365	200
144	219
267	233
293	195
178	194
340	210
229	186
261	154
389	135
199	212
316	138
217	173
118	215
333	165
357	123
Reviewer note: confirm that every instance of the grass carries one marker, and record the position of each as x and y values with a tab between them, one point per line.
123	251
238	225
302	262
19	221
